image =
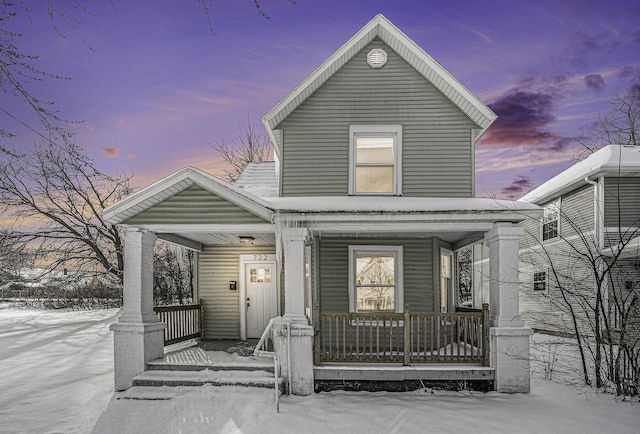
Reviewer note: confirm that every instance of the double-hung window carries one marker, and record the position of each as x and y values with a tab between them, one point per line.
375	279
551	220
540	281
375	155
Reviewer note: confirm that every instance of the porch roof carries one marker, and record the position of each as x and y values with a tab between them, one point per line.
403	205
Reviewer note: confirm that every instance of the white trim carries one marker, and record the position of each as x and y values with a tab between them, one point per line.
381	130
263	228
422	62
398	278
557	203
451	290
179	241
254	259
180	181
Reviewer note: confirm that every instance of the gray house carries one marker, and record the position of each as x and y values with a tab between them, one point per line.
591	218
346	242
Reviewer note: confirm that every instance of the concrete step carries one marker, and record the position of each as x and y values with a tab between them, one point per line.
253	378
260	364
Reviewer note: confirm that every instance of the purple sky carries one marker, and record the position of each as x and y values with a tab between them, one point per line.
156	87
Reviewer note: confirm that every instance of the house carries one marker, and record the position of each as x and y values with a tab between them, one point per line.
591	218
347	240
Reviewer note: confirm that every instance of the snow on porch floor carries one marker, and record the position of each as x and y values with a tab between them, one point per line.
225	358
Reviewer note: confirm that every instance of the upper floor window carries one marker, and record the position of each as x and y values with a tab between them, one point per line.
540	281
551	220
375	153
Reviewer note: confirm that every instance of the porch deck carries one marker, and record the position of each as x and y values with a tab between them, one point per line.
393	372
218	354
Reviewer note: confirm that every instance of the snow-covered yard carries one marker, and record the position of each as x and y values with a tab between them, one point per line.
56	376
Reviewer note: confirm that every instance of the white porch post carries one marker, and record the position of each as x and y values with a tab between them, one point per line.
293	328
138	334
509	347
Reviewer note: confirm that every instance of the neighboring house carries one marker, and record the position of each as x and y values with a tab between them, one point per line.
348	238
591	221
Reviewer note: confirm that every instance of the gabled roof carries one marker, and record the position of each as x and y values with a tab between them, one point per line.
612	160
259	179
415	56
180	181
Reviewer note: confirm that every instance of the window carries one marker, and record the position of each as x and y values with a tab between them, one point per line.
540	281
550	220
446	277
375	279
375	156
260	275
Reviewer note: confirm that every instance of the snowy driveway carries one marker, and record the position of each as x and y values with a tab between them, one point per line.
56	369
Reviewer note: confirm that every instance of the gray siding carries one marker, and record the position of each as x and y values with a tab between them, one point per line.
436	150
333	279
627	190
577	211
216	267
194	205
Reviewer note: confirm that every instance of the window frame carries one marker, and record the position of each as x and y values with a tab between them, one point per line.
538	279
550	208
398	277
389	130
450	305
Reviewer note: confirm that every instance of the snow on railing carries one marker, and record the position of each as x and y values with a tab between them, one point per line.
261	350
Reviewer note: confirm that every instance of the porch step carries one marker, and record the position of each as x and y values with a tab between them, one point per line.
253	378
247	365
154	393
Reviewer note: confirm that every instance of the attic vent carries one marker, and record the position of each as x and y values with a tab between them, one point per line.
377	58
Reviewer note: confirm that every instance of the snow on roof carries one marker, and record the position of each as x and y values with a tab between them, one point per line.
396	204
259	179
612	159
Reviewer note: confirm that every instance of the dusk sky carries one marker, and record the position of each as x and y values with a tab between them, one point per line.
154	86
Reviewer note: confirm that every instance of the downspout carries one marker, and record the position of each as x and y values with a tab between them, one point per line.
596	215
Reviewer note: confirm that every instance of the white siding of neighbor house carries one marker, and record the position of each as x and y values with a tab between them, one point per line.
217	266
194	205
437	151
627	191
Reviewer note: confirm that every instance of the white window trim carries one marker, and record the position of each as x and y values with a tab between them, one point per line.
557	204
399	281
451	304
371	130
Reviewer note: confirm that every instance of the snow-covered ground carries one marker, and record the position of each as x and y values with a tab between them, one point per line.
56	369
56	376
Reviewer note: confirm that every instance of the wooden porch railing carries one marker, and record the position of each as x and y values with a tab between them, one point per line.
460	337
183	322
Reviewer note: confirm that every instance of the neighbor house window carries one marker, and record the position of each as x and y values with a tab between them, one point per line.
550	220
375	156
375	279
446	280
540	281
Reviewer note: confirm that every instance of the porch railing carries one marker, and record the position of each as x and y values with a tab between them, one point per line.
183	322
460	337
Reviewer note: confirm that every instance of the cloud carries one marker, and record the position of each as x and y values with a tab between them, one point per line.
111	152
517	188
594	82
525	116
131	156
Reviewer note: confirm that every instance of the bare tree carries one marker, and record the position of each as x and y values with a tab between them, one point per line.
248	147
621	126
52	199
593	295
173	274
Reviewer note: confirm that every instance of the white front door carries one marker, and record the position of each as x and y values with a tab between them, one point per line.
261	299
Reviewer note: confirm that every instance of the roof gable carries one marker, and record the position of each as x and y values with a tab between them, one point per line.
415	56
178	182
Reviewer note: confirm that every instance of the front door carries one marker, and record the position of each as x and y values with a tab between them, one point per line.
261	299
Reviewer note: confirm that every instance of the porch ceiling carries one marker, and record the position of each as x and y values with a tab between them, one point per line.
210	238
456	238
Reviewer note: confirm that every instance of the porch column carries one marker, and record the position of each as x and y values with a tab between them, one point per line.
138	334
294	242
293	336
509	338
